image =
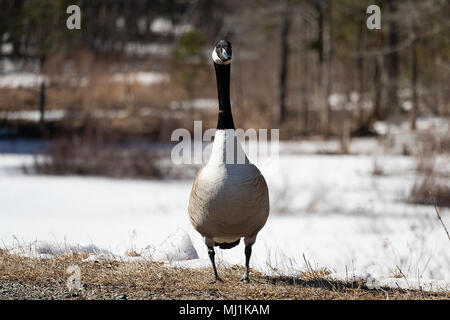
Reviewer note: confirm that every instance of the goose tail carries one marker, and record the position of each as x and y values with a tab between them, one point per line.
227	245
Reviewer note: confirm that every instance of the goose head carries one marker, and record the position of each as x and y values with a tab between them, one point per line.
222	52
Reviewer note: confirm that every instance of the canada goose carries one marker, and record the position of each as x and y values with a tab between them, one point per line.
229	198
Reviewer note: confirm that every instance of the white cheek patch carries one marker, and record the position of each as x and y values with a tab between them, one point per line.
216	58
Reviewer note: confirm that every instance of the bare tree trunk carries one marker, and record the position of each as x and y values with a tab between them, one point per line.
42	104
304	76
281	114
392	65
327	57
414	75
345	134
319	80
377	112
360	44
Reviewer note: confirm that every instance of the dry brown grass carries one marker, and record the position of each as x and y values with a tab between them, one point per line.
18	99
100	151
378	169
25	278
82	157
434	142
429	192
428	188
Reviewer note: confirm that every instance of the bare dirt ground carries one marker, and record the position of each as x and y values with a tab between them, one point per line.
25	278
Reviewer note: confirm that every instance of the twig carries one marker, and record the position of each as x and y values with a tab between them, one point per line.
407	282
346	274
317	276
418	279
440	219
307	264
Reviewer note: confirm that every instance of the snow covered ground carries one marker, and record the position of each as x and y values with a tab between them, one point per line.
16	80
330	210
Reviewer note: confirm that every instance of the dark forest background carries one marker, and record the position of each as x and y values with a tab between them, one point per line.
289	56
310	68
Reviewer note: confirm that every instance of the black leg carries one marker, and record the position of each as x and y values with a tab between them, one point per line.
211	255
248	253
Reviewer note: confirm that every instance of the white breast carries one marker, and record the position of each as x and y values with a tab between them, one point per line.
228	162
227	149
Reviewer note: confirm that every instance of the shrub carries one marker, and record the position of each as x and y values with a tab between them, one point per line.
429	191
94	151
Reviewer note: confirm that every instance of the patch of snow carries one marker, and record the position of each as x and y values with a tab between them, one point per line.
426	123
195	104
139	49
109	114
21	80
48	249
439	126
120	23
144	78
54	115
381	128
176	247
343	101
337	99
11	66
12	162
32	115
165	27
407	105
101	257
6	48
377	282
161	25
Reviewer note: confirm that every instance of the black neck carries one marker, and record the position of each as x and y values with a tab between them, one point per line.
225	119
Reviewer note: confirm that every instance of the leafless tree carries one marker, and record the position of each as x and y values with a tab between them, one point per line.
285	29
